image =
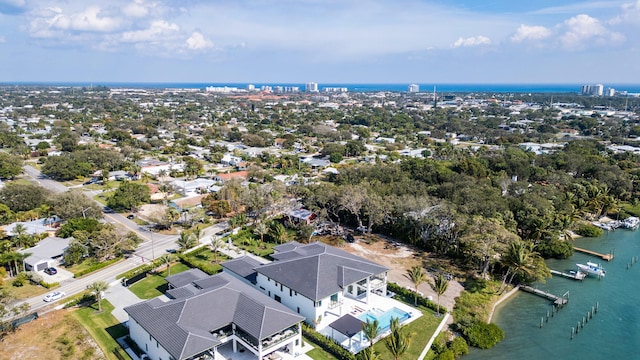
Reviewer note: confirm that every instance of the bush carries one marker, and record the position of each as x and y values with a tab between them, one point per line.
408	295
459	346
85	298
482	335
95	267
191	260
327	344
446	355
20	279
47	285
588	230
142	269
555	248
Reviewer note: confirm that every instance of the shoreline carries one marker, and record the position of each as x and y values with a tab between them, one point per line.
502	299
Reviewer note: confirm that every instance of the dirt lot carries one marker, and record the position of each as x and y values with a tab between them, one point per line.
56	335
398	258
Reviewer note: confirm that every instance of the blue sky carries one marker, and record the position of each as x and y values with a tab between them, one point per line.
326	41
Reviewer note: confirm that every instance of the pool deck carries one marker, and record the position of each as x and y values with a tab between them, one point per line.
357	308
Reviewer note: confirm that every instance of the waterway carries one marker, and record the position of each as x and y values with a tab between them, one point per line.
613	332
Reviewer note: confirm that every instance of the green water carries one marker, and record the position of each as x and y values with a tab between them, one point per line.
613	333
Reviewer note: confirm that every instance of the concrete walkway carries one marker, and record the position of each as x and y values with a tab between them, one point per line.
120	297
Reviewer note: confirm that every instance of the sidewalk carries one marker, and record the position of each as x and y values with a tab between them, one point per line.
120	297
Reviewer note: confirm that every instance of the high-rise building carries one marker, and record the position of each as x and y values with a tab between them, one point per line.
610	92
251	87
311	87
595	90
414	88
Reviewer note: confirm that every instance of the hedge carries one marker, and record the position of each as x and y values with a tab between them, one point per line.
408	294
48	285
95	267
142	269
190	260
327	344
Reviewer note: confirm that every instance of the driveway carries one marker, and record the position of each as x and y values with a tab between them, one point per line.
120	297
61	276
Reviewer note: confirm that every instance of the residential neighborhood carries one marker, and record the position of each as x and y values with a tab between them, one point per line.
255	224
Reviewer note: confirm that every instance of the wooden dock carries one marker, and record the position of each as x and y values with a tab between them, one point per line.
579	275
607	257
557	300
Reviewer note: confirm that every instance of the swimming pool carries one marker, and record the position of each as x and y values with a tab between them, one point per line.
384	318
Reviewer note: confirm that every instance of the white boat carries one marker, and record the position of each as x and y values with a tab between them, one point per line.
592	269
631	222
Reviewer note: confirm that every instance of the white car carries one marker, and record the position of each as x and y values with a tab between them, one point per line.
56	295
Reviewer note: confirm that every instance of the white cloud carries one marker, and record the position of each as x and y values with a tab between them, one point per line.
526	32
90	19
135	9
197	41
159	30
630	14
583	30
472	41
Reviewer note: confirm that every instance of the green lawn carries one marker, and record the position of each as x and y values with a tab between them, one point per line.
421	331
103	327
319	354
155	285
88	263
26	291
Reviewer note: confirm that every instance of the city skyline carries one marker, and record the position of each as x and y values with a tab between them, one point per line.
377	41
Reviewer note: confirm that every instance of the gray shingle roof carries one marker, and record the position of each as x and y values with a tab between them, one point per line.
318	270
183	326
186	277
243	266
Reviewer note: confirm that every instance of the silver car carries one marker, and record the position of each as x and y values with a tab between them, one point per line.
54	296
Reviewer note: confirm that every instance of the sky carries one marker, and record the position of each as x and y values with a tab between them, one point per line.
323	41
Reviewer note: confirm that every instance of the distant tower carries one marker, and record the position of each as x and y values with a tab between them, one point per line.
311	87
414	88
435	97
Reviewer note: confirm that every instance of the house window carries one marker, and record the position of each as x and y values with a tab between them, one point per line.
319	303
261	288
146	347
150	337
297	342
298	309
290	292
277	298
280	287
269	293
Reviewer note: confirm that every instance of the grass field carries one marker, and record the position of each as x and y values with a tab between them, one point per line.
103	327
420	331
155	285
26	291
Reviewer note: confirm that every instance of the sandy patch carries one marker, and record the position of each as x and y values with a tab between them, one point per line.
398	258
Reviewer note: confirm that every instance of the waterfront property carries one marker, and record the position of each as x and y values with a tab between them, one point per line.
217	317
334	290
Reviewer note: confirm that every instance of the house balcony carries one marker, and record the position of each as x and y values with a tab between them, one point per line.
335	304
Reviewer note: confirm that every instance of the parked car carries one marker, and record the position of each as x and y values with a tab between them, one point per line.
130	216
50	271
54	296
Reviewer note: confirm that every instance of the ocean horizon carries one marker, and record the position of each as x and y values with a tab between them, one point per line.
351	87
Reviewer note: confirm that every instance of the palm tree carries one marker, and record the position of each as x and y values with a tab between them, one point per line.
279	232
261	230
162	174
440	285
398	341
172	216
186	241
216	243
368	354
371	330
417	277
146	177
97	288
167	259
519	260
197	233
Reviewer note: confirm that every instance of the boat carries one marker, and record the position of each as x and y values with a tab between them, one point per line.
631	222
592	269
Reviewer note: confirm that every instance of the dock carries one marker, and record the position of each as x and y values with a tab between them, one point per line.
607	257
557	300
579	275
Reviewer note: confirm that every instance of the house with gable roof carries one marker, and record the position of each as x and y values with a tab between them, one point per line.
213	317
312	279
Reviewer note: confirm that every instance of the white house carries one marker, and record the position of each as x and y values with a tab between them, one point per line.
213	318
45	254
312	279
